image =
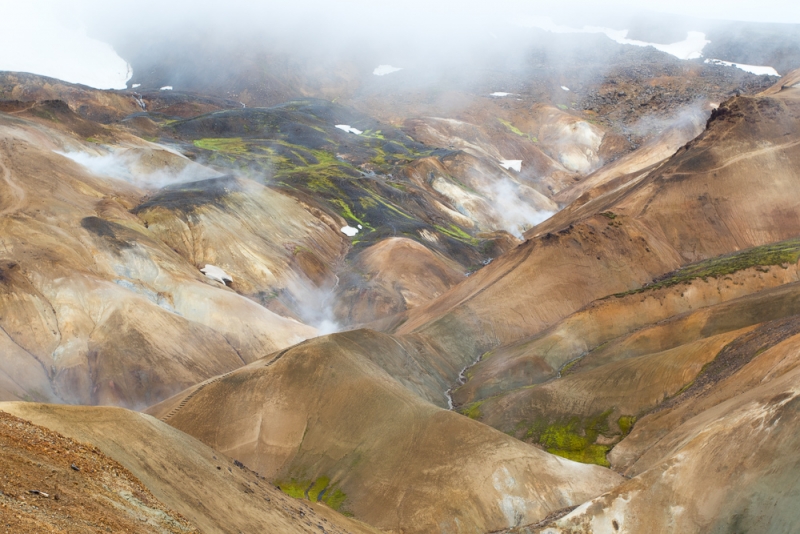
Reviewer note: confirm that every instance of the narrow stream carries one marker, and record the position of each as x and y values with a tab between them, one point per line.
462	379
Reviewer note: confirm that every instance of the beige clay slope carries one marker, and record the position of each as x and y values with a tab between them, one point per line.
96	309
604	325
203	485
653	152
391	276
264	239
592	404
727	462
325	415
730	189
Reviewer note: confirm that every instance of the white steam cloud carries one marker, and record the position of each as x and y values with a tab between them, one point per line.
515	211
151	169
314	306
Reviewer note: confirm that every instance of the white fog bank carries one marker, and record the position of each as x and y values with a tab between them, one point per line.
33	40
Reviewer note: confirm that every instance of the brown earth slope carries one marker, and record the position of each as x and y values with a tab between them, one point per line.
96	309
217	494
326	415
721	459
730	189
51	483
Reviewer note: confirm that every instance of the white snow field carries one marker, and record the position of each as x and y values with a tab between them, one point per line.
215	273
349	129
753	69
383	70
508	164
690	48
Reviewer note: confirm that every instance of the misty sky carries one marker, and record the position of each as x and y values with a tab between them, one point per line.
73	39
779	11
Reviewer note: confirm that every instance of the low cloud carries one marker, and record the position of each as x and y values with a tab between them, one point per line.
151	169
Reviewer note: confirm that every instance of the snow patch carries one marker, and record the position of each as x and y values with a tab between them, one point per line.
349	230
690	48
383	70
564	87
35	40
500	94
134	86
753	69
215	273
508	164
166	88
349	129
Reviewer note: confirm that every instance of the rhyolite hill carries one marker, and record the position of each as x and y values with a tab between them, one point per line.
606	341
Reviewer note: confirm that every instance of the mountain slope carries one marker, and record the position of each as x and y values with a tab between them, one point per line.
202	484
727	463
54	484
96	308
326	415
697	205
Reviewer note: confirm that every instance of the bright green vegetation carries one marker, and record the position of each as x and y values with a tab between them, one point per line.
473	411
626	423
609	215
347	213
335	499
307	162
232	145
781	253
517	131
294	488
373	135
573	438
513	128
315	489
562	107
294	147
457	233
318	490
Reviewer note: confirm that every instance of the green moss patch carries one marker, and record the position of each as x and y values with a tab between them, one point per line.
457	233
473	411
626	423
335	499
317	487
781	253
516	131
232	145
513	128
294	488
317	490
573	438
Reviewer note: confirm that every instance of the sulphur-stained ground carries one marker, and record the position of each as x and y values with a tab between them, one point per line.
50	483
